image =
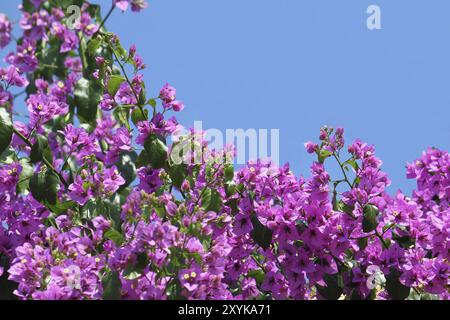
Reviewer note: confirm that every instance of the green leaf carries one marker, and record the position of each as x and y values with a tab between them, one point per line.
160	211
152	102
233	205
51	61
121	114
405	241
323	154
87	95
8	156
337	204
156	151
114	83
342	207
94	50
51	187
127	168
41	150
178	173
139	115
120	51
211	200
334	286
347	209
6	129
112	208
370	220
93	45
62	207
388	226
28	6
230	189
114	235
142	96
95	12
396	290
25	175
142	160
142	261
258	275
352	162
429	296
260	233
131	274
206	198
7	287
44	187
362	243
112	286
137	269
228	172
37	186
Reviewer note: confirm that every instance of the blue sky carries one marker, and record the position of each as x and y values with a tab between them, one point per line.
297	65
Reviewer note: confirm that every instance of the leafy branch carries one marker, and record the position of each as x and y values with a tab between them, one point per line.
46	162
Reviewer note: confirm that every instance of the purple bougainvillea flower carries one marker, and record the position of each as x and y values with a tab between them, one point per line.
175	106
119	143
80	191
35	25
76	137
24	59
126	94
242	225
122	4
58	29
70	41
9	177
189	278
112	180
5	30
85	24
107	102
195	246
37	3
149	179
138	62
101	223
138	5
168	93
12	77
311	147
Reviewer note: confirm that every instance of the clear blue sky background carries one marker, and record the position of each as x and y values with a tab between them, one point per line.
297	65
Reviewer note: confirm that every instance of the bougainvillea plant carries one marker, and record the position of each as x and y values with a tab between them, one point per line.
92	205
